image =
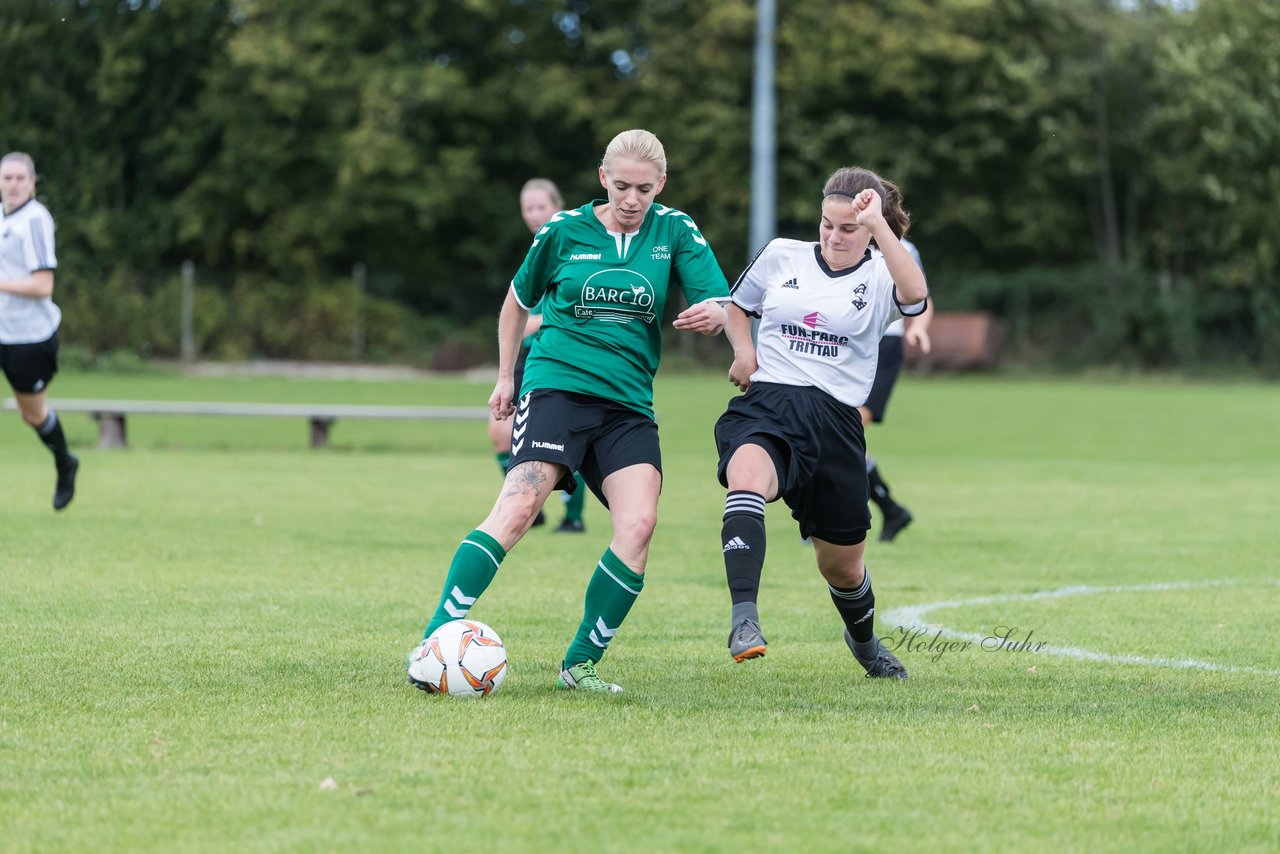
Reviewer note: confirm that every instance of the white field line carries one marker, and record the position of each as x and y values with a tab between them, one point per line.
917	616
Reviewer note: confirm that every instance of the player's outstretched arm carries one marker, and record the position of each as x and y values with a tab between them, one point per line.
706	317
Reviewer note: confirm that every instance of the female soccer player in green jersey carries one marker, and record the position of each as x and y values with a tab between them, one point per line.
603	273
540	200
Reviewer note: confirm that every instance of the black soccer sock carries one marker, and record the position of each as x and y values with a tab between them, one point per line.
857	607
878	490
744	543
50	433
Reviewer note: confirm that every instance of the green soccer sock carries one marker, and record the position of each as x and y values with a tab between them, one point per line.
504	461
610	594
574	503
475	563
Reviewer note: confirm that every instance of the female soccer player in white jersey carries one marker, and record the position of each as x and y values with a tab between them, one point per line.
796	433
28	316
603	272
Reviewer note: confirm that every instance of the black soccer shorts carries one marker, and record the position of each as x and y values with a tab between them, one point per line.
29	368
888	367
583	433
818	448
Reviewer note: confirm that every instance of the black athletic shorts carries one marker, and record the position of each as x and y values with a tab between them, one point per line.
518	375
887	369
30	367
590	435
818	448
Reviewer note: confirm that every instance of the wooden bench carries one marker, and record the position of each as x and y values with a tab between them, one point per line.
110	414
961	340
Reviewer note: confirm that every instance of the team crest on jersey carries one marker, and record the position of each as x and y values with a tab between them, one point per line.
858	293
617	296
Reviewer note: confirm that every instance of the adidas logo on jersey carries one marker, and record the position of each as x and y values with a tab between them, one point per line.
736	543
791	283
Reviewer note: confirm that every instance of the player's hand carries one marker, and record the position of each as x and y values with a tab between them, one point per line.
501	402
744	365
920	338
706	317
867	209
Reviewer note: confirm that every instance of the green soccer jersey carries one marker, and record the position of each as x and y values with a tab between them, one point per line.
603	297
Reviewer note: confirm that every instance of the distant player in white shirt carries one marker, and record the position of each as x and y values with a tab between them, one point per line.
916	331
28	317
796	434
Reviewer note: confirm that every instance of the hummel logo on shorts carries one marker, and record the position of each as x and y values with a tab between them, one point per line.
736	543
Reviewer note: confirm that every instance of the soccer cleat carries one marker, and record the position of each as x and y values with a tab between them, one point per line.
885	665
745	641
571	526
894	524
66	488
582	677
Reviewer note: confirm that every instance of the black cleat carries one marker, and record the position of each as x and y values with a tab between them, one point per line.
66	488
571	526
894	524
885	665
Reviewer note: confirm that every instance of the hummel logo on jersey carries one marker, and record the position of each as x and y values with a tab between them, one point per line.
791	283
585	256
736	543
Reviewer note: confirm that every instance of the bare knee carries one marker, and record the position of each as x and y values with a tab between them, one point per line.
32	408
751	469
841	566
524	492
634	529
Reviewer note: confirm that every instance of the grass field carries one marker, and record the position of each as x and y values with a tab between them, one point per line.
219	623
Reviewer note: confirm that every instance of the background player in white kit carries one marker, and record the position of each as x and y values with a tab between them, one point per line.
28	317
888	365
796	434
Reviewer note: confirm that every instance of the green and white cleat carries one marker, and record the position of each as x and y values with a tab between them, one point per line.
582	677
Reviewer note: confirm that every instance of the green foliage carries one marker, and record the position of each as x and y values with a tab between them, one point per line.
282	141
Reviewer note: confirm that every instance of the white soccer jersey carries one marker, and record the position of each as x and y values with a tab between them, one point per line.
819	327
26	247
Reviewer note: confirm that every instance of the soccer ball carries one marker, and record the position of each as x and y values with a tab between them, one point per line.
462	658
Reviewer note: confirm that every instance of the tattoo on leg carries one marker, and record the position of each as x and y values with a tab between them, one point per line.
525	478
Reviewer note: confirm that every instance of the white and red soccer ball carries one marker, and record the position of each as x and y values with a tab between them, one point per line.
462	658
